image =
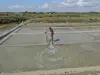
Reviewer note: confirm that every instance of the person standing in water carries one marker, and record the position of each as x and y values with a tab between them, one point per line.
52	34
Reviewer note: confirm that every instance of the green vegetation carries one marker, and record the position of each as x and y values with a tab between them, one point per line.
6	18
67	17
49	17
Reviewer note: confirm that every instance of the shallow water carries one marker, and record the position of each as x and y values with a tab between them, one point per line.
7	27
25	52
27	58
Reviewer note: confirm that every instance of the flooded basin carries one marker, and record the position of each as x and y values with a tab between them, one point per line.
29	50
32	58
6	27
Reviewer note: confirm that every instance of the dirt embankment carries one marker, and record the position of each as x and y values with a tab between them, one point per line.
59	71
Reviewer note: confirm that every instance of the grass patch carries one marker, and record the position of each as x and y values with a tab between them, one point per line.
63	25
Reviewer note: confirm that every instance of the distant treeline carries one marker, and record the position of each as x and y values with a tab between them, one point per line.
11	19
8	17
49	17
